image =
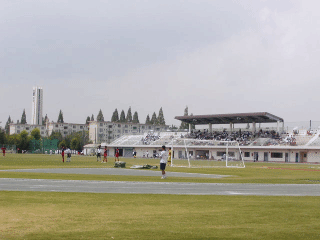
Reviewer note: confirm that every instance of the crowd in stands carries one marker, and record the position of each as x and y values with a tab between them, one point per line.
151	137
243	137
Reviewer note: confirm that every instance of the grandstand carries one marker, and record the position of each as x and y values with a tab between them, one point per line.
256	144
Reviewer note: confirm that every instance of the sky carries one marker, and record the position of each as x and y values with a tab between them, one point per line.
213	56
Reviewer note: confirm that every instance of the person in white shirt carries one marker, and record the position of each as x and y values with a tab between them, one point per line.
99	153
163	161
68	152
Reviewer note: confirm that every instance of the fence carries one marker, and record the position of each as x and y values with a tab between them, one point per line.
43	145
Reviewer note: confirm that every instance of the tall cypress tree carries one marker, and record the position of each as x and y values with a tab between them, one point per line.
7	126
185	125
88	120
161	120
122	117
92	118
115	116
100	117
45	120
129	116
60	117
135	117
23	117
148	120
154	119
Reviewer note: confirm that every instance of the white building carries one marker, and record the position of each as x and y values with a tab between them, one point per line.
37	106
16	128
109	131
65	128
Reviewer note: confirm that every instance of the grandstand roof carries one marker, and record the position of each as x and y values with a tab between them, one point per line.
257	117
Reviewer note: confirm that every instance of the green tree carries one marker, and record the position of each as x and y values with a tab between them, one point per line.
148	120
45	120
63	144
88	120
56	135
92	118
122	117
115	116
24	140
154	119
13	139
23	117
7	126
60	117
135	117
3	137
184	125
35	134
75	144
129	116
161	120
100	117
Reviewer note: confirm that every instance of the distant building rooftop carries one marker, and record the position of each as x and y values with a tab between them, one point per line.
256	117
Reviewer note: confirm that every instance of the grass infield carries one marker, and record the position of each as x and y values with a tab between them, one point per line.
47	215
260	172
34	215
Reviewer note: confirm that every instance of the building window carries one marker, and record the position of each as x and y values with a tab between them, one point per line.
18	131
134	128
27	128
65	127
42	128
142	127
246	154
42	133
81	127
65	133
18	127
276	155
74	126
110	126
126	126
101	124
57	125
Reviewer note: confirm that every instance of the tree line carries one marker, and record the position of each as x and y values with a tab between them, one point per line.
22	140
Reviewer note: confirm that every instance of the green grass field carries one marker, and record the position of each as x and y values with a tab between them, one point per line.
47	215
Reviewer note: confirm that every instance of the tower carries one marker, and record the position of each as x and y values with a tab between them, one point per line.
37	103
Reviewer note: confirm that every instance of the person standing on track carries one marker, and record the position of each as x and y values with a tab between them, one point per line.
163	161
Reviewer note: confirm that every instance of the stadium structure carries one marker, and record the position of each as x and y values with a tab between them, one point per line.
254	143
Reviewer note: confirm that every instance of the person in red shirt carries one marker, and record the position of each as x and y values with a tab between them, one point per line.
3	151
62	154
105	154
117	155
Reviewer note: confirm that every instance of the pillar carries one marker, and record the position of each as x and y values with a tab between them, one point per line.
189	128
230	127
210	127
253	127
